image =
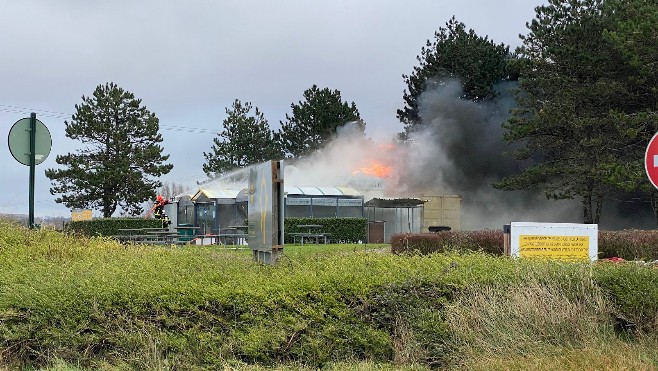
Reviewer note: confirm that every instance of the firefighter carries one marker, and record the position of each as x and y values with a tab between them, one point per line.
159	213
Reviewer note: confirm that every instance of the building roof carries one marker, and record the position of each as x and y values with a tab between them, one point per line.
207	194
395	202
212	194
321	191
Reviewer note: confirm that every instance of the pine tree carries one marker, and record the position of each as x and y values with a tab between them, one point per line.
455	53
245	140
121	159
315	121
583	116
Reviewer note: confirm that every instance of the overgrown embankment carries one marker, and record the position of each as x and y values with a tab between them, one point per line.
96	303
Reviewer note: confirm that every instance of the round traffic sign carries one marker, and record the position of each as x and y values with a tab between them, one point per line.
19	142
651	160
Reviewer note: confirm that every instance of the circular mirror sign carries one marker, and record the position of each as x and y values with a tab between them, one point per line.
19	142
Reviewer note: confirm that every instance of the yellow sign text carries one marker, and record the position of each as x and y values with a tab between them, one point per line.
554	247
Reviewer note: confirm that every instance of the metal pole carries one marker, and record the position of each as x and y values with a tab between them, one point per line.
33	129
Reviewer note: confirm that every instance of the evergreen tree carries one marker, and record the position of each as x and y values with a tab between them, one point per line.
581	116
315	121
245	140
455	54
632	33
121	157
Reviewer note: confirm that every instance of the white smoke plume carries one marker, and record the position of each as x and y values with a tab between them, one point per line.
459	151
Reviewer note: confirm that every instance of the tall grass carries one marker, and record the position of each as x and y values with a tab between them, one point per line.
520	318
93	303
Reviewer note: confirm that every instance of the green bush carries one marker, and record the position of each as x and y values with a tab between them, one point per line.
488	241
110	226
343	230
633	288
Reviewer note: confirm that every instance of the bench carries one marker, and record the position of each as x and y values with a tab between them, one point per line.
163	238
233	239
316	237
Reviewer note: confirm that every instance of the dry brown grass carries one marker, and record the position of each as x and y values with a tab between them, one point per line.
541	326
615	355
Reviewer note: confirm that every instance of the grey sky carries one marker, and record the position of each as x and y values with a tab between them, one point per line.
188	60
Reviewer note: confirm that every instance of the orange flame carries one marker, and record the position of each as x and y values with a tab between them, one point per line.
375	169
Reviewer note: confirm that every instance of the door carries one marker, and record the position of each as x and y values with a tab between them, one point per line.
376	232
205	217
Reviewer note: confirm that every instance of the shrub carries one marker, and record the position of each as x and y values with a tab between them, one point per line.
412	313
633	288
488	241
344	230
629	244
110	226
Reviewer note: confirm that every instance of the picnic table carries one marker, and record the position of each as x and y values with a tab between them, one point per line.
162	235
129	234
187	233
187	228
149	236
130	230
312	234
233	235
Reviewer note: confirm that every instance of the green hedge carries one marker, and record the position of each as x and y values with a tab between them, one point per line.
489	241
110	226
342	229
345	230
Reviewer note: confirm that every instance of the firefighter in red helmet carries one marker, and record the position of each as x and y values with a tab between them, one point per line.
159	213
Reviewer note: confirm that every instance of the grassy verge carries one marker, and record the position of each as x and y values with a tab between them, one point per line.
96	304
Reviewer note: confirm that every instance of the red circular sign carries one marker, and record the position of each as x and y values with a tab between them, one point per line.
651	160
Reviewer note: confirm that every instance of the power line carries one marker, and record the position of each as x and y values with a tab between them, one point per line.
192	179
41	111
63	116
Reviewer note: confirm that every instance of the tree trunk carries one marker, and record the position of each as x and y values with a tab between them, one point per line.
599	209
588	217
654	204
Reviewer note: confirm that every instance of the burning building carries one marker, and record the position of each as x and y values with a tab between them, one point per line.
351	177
393	209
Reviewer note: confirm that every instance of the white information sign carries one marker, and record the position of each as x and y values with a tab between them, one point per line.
564	241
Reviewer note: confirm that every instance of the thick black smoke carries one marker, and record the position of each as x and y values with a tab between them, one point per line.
460	151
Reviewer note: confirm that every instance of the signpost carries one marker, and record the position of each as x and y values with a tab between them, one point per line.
30	144
651	160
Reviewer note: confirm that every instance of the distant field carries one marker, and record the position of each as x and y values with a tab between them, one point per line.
71	303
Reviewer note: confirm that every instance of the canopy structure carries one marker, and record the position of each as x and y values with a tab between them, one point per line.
224	196
387	217
323	202
322	191
217	209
